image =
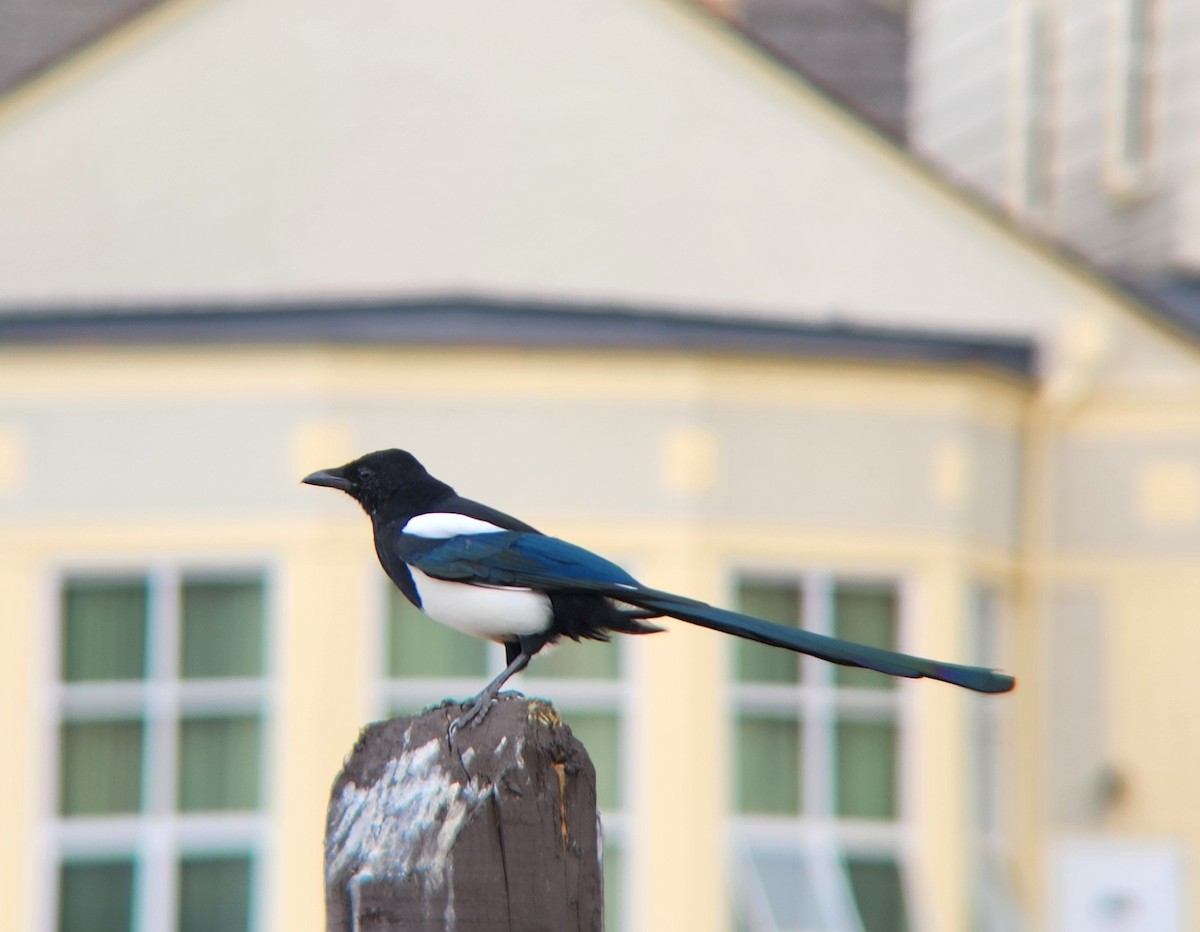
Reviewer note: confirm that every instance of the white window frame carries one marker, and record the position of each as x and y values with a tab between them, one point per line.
995	905
158	837
824	837
617	696
1130	176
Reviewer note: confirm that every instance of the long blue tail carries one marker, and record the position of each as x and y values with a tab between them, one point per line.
835	650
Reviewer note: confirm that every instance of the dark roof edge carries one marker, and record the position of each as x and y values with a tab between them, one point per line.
1144	301
774	52
467	320
99	31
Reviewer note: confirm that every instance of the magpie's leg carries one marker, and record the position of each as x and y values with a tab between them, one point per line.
519	656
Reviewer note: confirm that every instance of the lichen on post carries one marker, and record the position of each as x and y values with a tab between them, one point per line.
494	832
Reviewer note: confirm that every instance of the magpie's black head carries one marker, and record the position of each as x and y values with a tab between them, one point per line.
387	481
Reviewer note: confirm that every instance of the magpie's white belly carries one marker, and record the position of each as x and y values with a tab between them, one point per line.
486	612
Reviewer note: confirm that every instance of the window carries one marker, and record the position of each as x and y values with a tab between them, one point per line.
984	726
818	831
160	715
1036	107
1132	82
994	902
426	661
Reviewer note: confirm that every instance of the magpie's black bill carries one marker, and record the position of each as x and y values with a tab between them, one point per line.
331	478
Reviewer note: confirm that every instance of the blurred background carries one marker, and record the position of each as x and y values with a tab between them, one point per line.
876	318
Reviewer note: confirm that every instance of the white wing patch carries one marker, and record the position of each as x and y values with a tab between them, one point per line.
442	524
493	612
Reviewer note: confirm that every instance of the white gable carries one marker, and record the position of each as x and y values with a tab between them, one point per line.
624	150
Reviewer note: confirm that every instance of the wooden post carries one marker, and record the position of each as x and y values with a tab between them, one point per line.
498	833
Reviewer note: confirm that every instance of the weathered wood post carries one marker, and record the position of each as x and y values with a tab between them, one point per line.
497	833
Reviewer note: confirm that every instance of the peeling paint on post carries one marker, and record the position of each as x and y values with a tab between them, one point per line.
497	834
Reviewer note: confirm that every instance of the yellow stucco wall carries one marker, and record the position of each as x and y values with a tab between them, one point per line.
327	586
325	573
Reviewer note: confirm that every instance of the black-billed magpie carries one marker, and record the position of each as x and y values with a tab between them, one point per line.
482	572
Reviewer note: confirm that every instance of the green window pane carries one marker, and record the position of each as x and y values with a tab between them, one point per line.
418	646
879	894
219	763
214	894
600	733
104	629
614	887
596	660
100	767
95	896
866	770
222	627
768	764
865	615
777	602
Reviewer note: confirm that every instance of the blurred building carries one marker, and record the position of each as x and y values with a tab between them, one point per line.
1079	120
616	270
1083	119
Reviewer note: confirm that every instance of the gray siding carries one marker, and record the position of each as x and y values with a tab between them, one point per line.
958	88
1183	76
962	83
1129	233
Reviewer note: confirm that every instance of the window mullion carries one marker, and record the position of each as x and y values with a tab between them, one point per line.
162	695
833	884
155	882
157	874
849	856
818	775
